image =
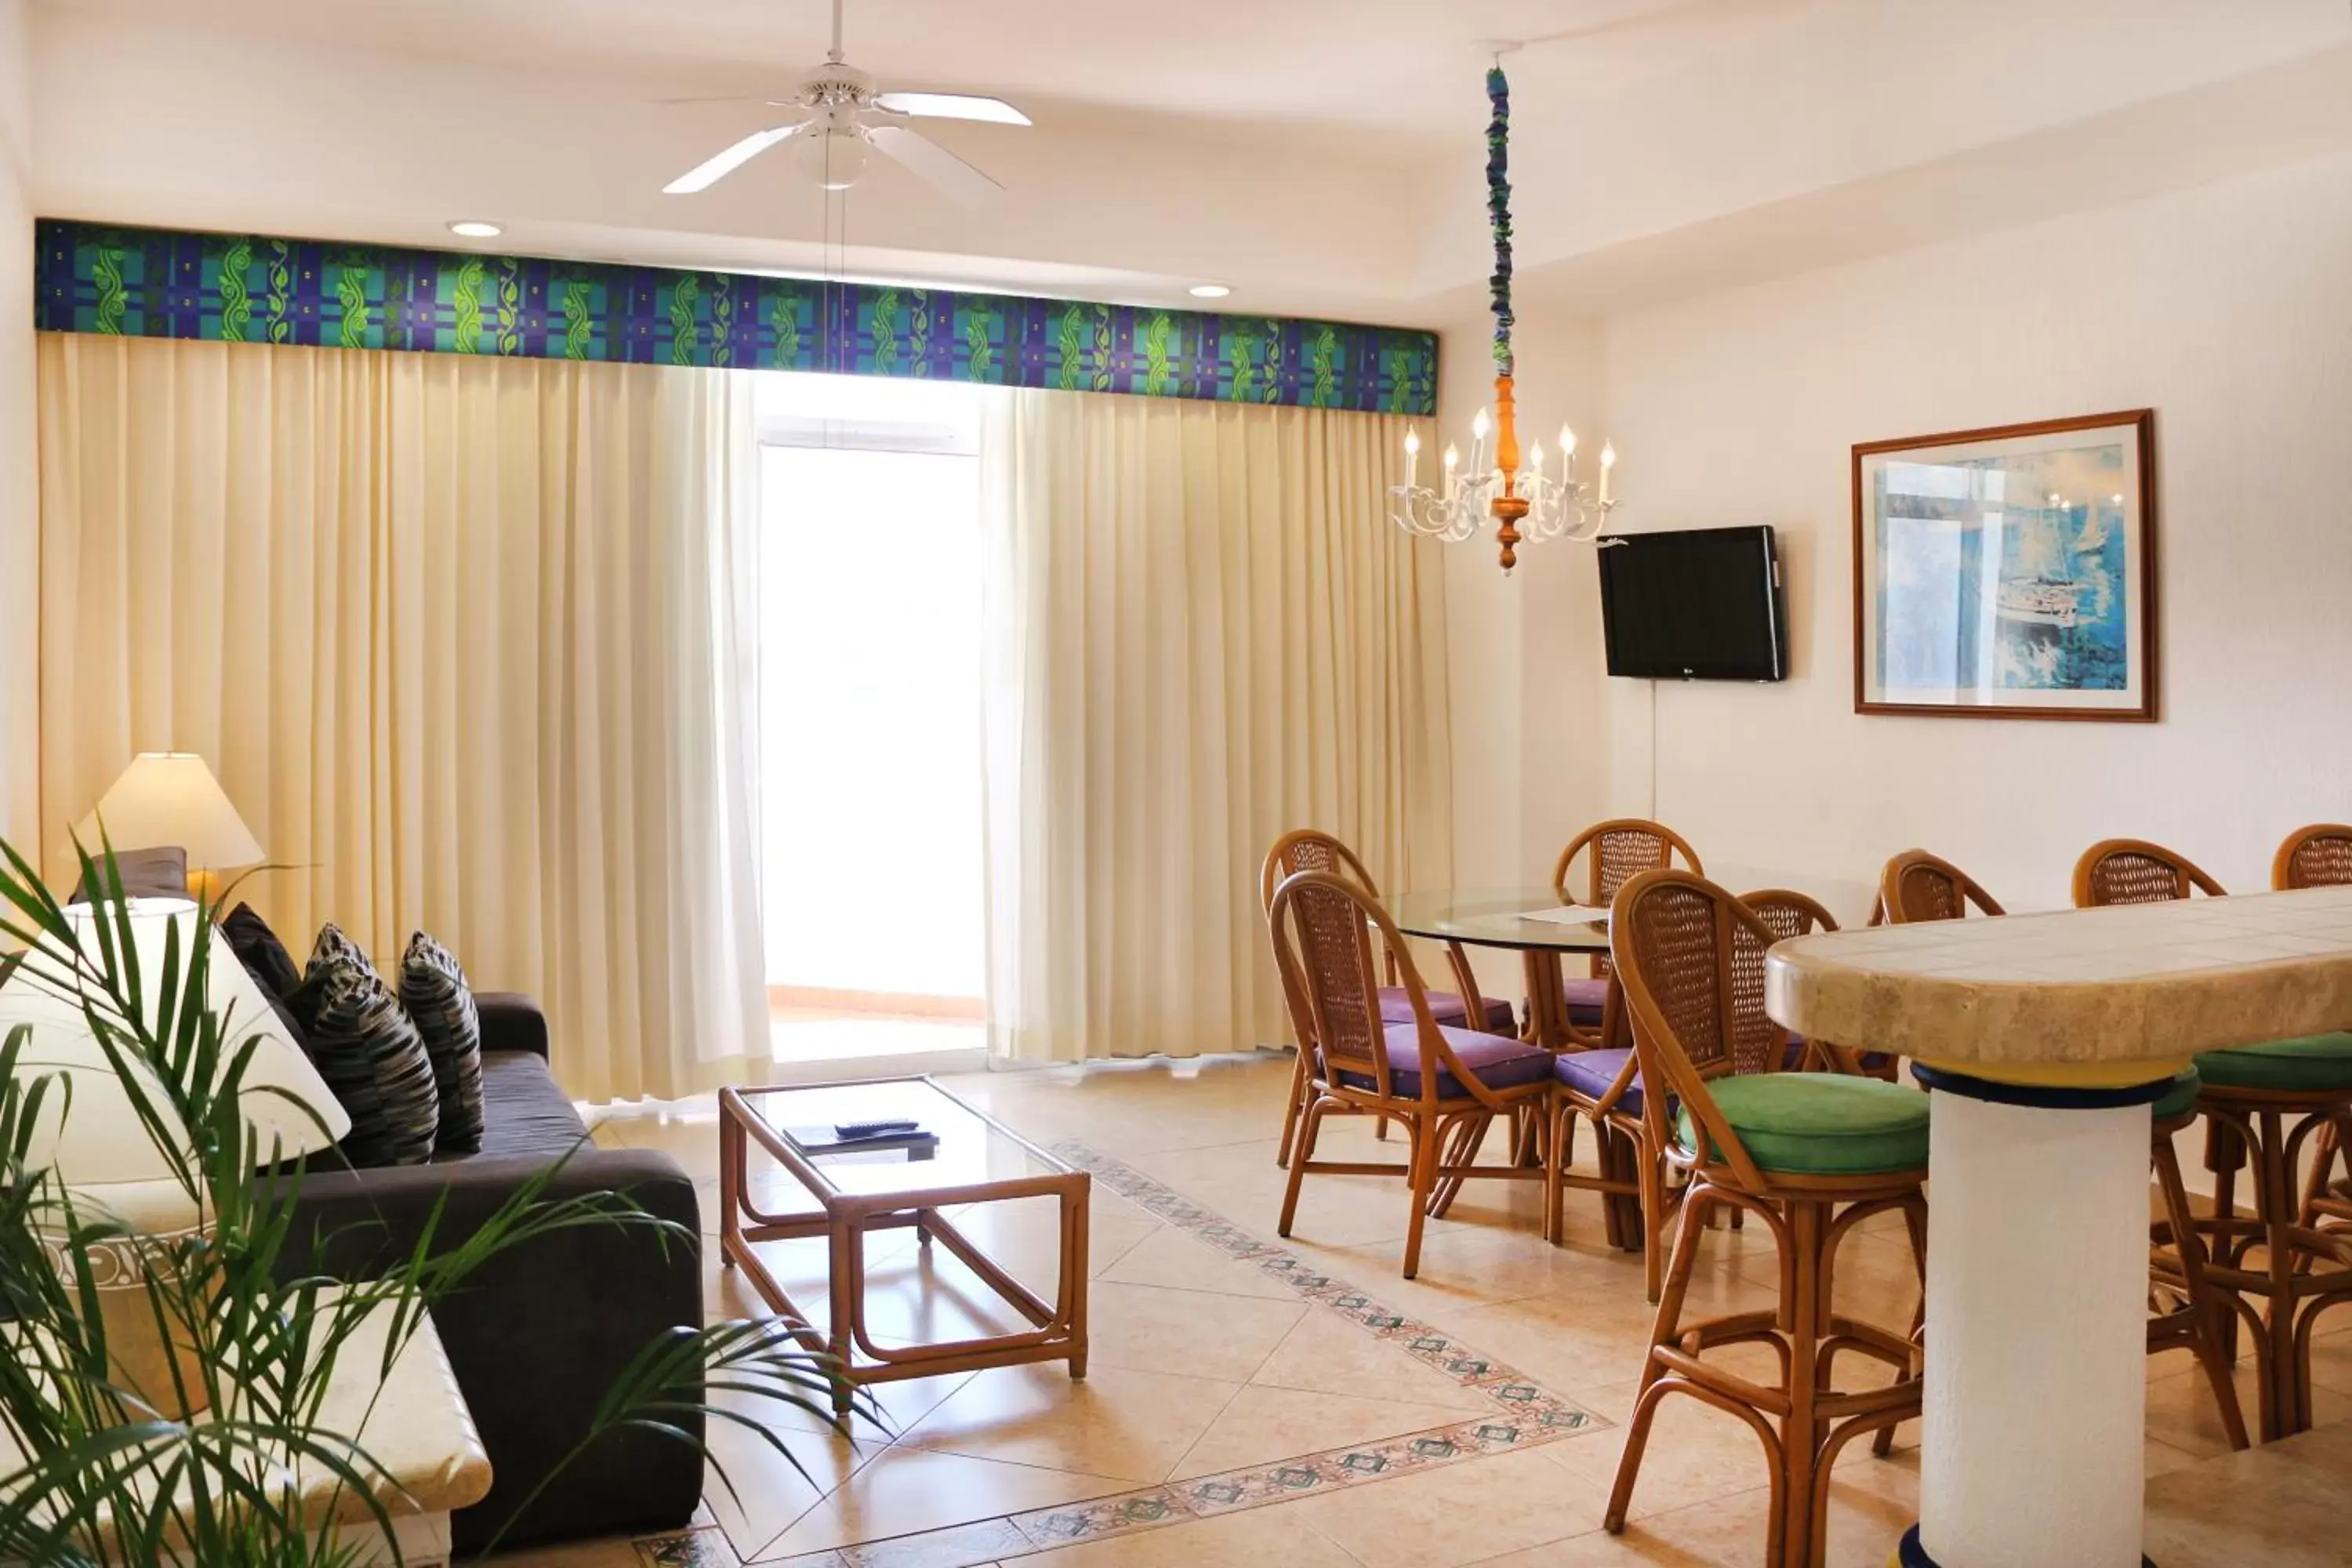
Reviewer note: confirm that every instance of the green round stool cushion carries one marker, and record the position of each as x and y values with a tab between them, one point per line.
1821	1124
2307	1061
2180	1098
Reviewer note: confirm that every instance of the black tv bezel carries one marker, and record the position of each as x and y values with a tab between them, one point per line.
1775	609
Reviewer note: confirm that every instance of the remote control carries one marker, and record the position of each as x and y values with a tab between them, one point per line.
890	1128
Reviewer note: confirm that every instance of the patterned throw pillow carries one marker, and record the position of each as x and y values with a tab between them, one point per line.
434	991
371	1055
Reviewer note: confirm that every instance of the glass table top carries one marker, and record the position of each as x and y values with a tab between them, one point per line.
1494	917
969	1149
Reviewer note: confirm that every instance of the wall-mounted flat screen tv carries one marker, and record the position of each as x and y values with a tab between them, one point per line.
1701	604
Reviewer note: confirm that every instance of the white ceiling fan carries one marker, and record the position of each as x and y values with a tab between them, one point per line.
842	116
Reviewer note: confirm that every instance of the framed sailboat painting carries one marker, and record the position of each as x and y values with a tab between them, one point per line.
2008	573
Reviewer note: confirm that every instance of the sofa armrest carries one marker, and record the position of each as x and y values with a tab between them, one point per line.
511	1021
539	1334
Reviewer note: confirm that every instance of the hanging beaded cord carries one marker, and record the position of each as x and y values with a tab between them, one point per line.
1498	211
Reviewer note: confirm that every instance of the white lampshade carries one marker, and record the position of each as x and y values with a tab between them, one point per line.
171	798
98	1148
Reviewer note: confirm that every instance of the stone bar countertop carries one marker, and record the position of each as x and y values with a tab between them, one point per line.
2133	982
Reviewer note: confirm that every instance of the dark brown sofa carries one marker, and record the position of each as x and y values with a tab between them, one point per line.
542	1333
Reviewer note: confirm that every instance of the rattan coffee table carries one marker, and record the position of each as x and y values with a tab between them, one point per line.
970	1158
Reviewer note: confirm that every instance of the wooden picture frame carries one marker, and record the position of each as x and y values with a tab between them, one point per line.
2018	579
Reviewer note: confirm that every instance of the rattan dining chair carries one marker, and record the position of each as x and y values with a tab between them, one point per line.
2320	855
1811	1155
1613	853
1441	1082
1310	849
2260	1103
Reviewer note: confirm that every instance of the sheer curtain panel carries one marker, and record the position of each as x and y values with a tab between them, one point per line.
1201	630
465	640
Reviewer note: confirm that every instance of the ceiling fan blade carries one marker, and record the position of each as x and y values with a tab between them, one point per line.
952	105
709	172
935	164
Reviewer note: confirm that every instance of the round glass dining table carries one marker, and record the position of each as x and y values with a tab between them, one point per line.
1500	917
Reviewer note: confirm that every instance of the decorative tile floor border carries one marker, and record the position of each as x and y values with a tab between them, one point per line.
1524	1415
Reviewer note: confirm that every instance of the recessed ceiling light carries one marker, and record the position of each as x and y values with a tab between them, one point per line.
1210	290
474	228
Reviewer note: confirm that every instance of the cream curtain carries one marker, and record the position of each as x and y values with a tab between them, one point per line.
1202	631
466	641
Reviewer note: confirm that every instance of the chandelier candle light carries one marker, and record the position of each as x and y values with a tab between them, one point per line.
1498	484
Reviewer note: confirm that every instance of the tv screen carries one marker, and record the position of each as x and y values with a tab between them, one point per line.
1700	604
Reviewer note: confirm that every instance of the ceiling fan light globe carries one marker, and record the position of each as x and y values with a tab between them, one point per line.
833	159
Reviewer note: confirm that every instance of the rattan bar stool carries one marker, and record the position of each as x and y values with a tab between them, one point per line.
1440	1082
1310	849
1811	1155
2260	1103
2320	855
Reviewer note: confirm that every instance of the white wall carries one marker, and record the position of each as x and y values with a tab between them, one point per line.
2224	308
19	557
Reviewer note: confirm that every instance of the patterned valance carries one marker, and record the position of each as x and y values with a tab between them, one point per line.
140	282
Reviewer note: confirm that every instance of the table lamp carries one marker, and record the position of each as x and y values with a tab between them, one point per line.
171	798
102	1153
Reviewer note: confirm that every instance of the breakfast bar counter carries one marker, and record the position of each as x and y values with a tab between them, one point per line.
2046	1037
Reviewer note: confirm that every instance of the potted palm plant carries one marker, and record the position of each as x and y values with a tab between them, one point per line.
165	1393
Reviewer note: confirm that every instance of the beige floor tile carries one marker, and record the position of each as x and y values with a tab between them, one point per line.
1455	1514
1261	1425
1326	1355
2182	1415
1590	1334
1118	1422
1155	1328
1695	1452
1171	1258
909	1489
764	1491
1259	1537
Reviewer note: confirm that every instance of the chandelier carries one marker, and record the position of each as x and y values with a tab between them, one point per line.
1528	499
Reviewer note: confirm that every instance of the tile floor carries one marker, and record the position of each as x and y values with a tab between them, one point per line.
1251	1400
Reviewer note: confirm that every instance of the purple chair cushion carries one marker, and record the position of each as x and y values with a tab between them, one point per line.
1586	995
1591	1074
1496	1060
1445	1007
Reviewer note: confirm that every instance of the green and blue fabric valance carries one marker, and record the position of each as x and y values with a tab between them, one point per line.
139	282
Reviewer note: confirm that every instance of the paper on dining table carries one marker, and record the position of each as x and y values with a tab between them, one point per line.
1570	915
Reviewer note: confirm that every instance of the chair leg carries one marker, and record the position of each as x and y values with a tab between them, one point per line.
1801	1430
1650	1173
1427	1140
2206	1306
2277	1208
1666	1330
2323	1167
1914	1225
1302	1088
1310	1126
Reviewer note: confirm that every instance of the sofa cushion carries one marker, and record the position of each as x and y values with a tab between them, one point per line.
1445	1007
434	992
1591	1074
2304	1062
1820	1123
523	1109
1496	1060
257	948
371	1055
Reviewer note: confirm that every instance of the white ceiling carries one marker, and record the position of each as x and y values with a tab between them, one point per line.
1319	155
1370	66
